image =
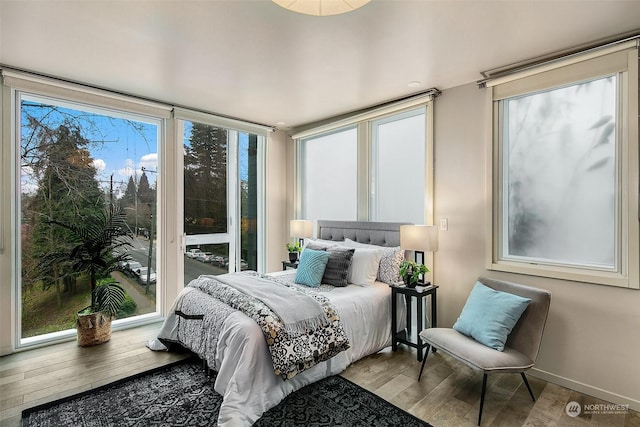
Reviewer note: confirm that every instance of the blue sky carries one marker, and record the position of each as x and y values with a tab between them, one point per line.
120	145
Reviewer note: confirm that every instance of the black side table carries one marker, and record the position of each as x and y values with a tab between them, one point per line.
418	293
286	264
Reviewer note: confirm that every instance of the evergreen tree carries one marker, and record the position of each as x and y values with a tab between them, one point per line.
129	202
146	195
129	196
146	201
205	180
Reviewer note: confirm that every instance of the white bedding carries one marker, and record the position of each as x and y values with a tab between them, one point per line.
245	376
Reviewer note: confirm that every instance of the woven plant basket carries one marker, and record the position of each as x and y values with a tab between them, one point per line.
93	329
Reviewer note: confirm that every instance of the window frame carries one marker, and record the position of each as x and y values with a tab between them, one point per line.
234	129
302	176
363	121
168	192
621	61
104	108
375	169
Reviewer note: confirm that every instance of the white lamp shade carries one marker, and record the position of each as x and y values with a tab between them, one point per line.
422	238
300	228
321	7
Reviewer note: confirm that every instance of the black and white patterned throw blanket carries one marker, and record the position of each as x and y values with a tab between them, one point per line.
291	353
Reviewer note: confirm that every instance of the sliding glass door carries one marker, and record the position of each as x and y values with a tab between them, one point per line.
220	200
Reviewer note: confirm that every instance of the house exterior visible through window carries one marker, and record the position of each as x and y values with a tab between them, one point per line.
565	171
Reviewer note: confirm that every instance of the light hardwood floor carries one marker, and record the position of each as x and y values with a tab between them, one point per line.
447	395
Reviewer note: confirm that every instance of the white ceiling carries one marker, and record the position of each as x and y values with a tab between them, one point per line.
253	60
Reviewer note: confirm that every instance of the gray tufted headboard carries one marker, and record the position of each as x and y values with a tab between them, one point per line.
374	233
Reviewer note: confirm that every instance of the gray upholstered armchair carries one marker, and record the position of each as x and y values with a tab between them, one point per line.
521	347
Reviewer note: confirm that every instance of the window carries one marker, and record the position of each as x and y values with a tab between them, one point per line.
76	160
220	182
329	175
398	167
565	163
76	150
375	166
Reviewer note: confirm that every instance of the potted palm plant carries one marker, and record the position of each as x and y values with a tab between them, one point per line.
97	246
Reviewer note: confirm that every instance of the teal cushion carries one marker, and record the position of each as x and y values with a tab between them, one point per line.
488	316
311	267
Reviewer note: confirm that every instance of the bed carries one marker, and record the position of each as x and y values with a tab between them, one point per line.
240	354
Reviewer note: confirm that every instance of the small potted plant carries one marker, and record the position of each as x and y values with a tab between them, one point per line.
410	272
293	248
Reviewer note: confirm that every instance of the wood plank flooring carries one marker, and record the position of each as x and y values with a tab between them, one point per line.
447	395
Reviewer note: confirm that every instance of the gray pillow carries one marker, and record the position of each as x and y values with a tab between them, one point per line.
316	247
337	270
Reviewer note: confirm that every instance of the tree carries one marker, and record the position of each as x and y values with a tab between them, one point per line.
146	201
129	196
146	195
129	202
205	180
67	192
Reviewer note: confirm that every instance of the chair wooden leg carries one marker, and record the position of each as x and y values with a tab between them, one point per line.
484	389
524	378
424	360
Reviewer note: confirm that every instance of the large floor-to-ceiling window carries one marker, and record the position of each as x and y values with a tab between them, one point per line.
220	199
189	185
76	161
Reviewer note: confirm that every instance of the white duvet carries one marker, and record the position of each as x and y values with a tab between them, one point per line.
245	375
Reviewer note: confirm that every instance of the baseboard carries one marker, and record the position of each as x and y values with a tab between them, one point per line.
6	350
585	388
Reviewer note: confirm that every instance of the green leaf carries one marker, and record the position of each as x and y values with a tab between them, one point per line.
109	298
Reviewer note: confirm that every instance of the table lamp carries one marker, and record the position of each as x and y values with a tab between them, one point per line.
301	229
420	239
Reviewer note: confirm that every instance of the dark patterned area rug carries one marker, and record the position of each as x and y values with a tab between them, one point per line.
182	395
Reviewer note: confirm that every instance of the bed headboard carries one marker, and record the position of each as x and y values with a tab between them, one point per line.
374	233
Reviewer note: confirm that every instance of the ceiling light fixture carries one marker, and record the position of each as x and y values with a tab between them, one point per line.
321	7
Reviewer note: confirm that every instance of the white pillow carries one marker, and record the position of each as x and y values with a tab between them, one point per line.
354	244
364	266
390	261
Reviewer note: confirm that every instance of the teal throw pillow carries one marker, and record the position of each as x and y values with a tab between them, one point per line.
311	267
488	316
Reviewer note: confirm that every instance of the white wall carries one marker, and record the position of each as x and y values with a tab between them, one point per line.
592	337
276	206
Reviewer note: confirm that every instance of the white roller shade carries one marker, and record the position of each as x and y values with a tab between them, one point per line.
392	107
47	86
576	58
220	121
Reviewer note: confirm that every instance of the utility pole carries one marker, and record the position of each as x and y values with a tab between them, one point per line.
151	209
